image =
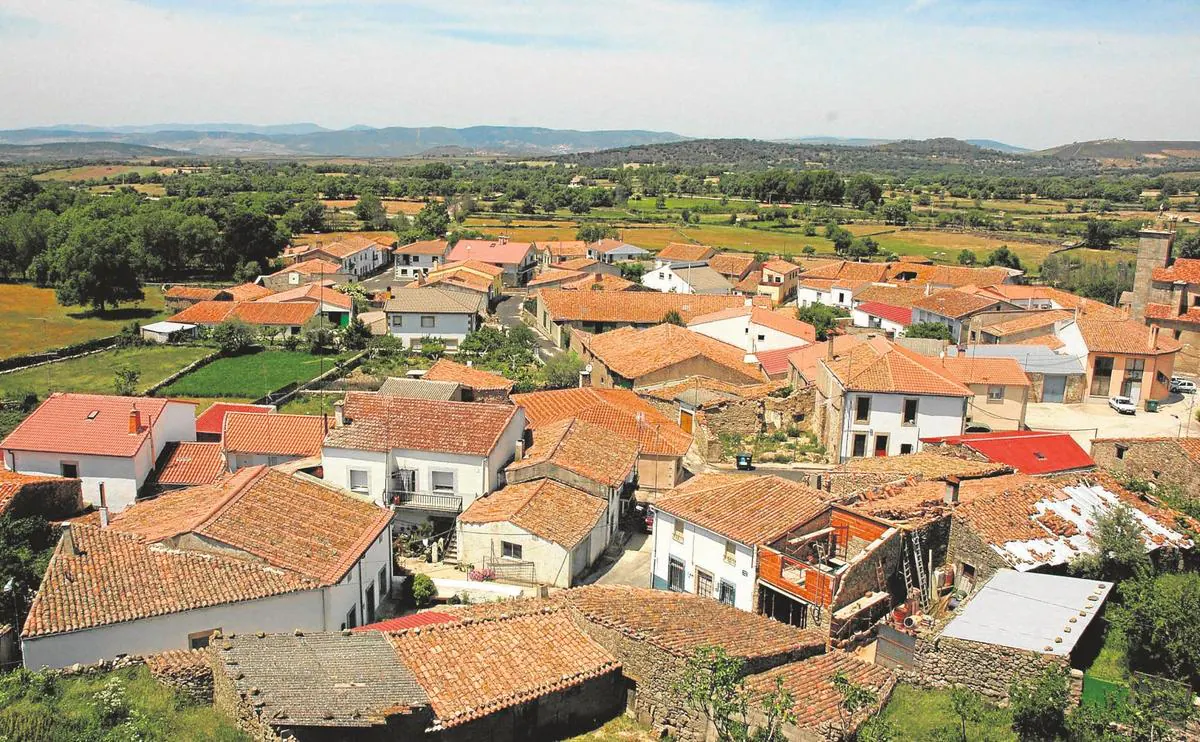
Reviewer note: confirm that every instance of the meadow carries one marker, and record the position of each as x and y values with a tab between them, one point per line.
95	172
250	376
93	373
35	322
928	714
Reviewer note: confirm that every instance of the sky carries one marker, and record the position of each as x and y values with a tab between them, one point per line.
1034	74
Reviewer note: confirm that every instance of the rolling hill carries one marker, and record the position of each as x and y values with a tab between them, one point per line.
1124	150
81	151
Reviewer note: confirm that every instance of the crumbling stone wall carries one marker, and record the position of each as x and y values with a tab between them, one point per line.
795	409
186	671
1157	460
54	500
966	546
559	715
844	483
228	701
988	669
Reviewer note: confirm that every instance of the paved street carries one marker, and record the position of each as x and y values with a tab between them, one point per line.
508	311
382	281
632	568
1097	420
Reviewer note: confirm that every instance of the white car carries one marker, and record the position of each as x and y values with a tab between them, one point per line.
1183	386
1123	405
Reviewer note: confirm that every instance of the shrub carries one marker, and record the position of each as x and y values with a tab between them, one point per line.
932	330
233	337
125	381
423	590
290	342
562	371
1161	620
356	335
1038	704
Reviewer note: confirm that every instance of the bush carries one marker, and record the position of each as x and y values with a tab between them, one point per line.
356	335
423	590
562	371
233	337
932	330
1161	620
1038	704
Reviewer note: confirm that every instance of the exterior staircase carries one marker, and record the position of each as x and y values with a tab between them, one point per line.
450	555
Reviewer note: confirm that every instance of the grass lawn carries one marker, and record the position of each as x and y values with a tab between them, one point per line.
620	729
1112	664
72	708
94	373
311	404
252	375
945	246
34	321
919	713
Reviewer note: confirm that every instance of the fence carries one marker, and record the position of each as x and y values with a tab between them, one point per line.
511	570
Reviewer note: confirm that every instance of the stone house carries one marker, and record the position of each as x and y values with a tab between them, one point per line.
1170	461
629	359
1166	293
477	385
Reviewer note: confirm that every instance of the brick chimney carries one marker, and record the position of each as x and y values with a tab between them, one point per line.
135	421
68	539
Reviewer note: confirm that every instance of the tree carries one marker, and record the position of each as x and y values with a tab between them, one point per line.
853	700
370	211
25	548
862	189
595	232
841	238
1188	244
1004	258
423	590
1118	551
633	270
247	272
673	317
809	250
1039	703
305	216
931	330
562	371
318	337
823	318
1161	620
966	705
712	683
431	222
966	257
897	212
96	266
1098	234
125	381
356	335
233	337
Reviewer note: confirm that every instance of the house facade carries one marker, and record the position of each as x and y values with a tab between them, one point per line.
1123	357
449	316
356	257
755	329
778	281
111	444
517	259
610	251
305	271
954	309
557	311
891	319
686	277
419	258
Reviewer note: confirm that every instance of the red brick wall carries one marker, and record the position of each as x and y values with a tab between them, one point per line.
858	526
817	588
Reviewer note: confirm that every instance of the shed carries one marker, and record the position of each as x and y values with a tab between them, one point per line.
162	332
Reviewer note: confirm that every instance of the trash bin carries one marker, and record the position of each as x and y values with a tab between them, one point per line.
1151	405
744	460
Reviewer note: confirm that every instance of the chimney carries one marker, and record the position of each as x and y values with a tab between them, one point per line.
951	496
1153	335
68	539
519	450
135	421
103	507
928	289
339	413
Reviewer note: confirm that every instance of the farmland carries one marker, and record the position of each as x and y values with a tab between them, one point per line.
250	376
94	373
96	172
35	322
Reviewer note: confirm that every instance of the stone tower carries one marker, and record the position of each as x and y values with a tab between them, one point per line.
1154	251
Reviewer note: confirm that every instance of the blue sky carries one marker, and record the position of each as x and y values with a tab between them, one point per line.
1030	73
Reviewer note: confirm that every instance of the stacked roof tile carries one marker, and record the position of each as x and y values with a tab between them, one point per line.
751	510
684	251
379	422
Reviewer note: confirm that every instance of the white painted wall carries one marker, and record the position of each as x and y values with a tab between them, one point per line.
669	279
242	460
417	264
807	296
552	562
121	476
452	328
862	319
702	549
740	332
936	416
351	591
336	464
922	315
364	261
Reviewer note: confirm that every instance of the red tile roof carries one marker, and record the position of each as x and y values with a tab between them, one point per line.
1123	336
471	265
292	314
192	293
685	251
782	267
550	510
752	510
953	304
866	368
87	424
204	313
311	267
561	249
900	315
585	449
311	292
496	252
807	359
424	247
1028	321
634	353
1185	270
634	307
11	484
377	422
598	282
1027	451
974	369
411	621
618	410
555	276
189	463
1166	311
248	292
469	376
733	264
273	435
810	683
848	270
775	362
212	420
783	320
576	264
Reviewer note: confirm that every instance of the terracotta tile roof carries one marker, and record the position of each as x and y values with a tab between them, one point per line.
634	353
548	509
273	435
411	621
248	292
469	265
901	295
848	270
11	484
118	577
953	304
1027	322
212	420
775	362
378	422
810	682
469	376
476	668
977	370
617	410
867	369
189	463
948	275
749	284
293	314
462	279
555	276
1123	336
311	292
926	464
679	622
576	264
751	510
496	252
670	392
341	248
599	282
900	315
583	448
606	246
782	267
685	251
807	359
1050	341
1184	270
311	267
560	249
784	320
636	307
87	424
1042	294
204	313
733	264
1027	451
1189	446
1168	312
293	523
920	501
430	300
193	293
399	386
424	247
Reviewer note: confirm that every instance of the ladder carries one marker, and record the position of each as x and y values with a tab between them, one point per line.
921	582
905	549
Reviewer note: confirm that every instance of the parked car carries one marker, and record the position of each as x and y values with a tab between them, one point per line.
1123	405
1182	385
646	517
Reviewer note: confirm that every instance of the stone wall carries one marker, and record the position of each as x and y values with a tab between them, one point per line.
53	500
967	547
1076	388
558	715
987	669
228	701
844	483
1153	459
185	671
862	576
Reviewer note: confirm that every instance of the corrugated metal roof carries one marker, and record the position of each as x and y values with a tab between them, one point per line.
1035	359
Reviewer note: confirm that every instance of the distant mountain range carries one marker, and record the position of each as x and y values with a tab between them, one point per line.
356	141
864	142
80	151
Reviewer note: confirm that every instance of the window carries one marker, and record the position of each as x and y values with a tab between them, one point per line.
1102	376
675	574
427	320
910	412
351	619
1134	368
200	639
860	445
995	393
385	586
442	482
397	320
358	480
677	531
69	469
704	584
762	338
726	593
1121	449
510	550
905	448
730	552
881	444
862	409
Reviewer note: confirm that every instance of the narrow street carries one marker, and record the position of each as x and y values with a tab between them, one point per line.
632	568
508	311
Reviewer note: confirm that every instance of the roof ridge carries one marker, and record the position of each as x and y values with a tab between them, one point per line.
223	503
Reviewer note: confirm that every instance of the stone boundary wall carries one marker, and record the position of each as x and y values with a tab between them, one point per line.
183	372
78	350
987	669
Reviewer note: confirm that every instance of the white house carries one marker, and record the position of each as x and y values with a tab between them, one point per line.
167	573
425	458
357	256
614	251
831	293
252	439
755	329
686	277
707	532
418	258
891	319
110	443
881	400
954	309
417	313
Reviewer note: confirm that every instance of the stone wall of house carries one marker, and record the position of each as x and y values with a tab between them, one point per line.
494	396
966	547
796	409
988	669
547	470
1076	387
1153	459
185	671
559	715
53	500
844	483
863	577
228	701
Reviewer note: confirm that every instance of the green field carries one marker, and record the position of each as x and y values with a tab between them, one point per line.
311	404
920	714
35	322
251	376
94	172
94	373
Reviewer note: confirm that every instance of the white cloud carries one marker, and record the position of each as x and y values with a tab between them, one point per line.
698	68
